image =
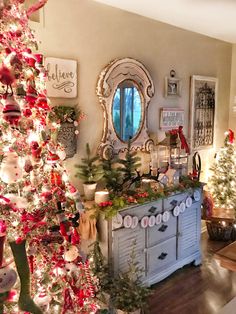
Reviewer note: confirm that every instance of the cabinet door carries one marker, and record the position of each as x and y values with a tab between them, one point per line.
189	229
124	241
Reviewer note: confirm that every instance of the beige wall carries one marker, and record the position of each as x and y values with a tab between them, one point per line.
94	34
232	109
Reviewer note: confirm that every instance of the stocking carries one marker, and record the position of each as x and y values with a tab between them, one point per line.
25	301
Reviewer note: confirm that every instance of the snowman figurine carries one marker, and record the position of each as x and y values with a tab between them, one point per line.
8	278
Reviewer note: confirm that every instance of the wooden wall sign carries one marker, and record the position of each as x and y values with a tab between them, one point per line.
61	77
171	118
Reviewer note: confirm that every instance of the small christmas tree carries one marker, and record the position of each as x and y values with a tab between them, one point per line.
223	181
130	164
88	171
112	175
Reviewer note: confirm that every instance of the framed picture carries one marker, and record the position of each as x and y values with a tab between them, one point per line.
203	101
61	77
171	118
172	87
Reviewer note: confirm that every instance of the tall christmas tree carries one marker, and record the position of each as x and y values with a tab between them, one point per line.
223	180
39	209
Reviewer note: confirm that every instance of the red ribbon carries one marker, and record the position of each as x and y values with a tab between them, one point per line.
231	136
184	144
36	7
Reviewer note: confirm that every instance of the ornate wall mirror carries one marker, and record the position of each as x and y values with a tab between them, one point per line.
124	89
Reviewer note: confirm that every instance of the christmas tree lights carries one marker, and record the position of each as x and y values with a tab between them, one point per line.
223	180
41	267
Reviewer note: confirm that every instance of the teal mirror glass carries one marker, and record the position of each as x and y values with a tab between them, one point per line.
127	111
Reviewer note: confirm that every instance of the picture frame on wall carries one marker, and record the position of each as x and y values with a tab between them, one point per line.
173	85
61	79
171	118
203	102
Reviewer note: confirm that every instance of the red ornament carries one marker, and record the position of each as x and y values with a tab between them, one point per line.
42	102
31	95
6	76
35	150
11	111
231	136
56	178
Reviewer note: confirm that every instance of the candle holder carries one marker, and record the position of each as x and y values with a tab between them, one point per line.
101	196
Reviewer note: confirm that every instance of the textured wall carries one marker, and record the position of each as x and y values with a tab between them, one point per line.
94	34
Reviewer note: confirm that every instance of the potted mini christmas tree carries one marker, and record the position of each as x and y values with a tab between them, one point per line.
90	173
128	296
222	186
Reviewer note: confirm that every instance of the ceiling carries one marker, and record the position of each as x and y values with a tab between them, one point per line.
214	18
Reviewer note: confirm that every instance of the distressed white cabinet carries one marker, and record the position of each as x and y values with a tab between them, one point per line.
160	249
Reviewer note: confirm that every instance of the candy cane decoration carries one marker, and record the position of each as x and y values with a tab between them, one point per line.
88	277
36	7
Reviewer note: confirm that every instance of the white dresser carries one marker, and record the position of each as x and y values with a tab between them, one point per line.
164	242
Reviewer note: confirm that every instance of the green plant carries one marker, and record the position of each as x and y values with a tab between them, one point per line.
99	267
60	114
129	164
112	175
89	171
127	293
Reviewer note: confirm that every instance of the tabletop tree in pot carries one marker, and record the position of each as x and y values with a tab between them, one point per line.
90	172
222	186
128	296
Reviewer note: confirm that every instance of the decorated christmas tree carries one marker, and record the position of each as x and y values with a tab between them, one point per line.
223	180
42	269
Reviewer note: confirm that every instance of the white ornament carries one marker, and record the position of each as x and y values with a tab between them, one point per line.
196	195
176	211
134	222
43	301
182	207
144	222
71	269
11	168
128	221
166	216
152	221
117	221
8	278
71	254
16	200
189	202
158	219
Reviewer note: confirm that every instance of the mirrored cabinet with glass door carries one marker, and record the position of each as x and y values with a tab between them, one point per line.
125	89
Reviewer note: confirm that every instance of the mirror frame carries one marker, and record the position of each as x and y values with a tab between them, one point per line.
112	75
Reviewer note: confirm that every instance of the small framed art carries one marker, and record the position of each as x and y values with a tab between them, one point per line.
172	85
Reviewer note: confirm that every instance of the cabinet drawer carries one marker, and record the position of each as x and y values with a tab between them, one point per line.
161	255
151	208
162	231
171	201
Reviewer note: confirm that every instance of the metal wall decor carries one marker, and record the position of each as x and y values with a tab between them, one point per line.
202	111
67	137
117	72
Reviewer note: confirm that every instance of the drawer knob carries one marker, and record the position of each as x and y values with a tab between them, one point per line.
162	256
174	203
163	228
152	209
